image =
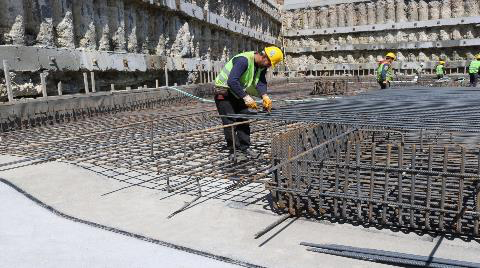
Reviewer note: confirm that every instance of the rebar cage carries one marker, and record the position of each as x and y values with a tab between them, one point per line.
409	180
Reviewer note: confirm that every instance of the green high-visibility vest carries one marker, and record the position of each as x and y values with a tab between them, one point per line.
249	78
440	69
389	76
474	67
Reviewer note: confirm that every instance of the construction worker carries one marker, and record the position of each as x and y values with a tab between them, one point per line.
440	69
385	71
240	79
474	70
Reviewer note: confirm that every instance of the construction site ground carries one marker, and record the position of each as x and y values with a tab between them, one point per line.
220	226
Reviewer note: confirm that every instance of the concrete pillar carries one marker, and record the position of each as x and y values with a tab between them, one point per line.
102	23
434	10
446	9
117	24
312	19
323	17
12	22
458	9
380	12
83	18
131	28
401	15
371	14
6	72
143	17
351	15
43	83
161	37
362	14
45	36
471	8
305	20
422	10
390	11
341	15
63	21
412	11
332	17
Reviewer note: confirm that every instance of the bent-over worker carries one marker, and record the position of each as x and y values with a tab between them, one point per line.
240	79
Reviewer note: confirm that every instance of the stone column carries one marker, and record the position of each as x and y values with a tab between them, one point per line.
12	22
63	21
380	12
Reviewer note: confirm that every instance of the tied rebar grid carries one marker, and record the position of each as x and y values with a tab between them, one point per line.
431	109
381	178
176	150
403	159
175	146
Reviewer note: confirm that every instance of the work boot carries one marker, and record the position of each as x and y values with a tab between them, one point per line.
238	157
250	153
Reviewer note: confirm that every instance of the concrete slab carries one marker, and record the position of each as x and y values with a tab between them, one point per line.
220	227
31	236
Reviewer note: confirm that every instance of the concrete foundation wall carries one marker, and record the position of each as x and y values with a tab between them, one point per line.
352	35
132	38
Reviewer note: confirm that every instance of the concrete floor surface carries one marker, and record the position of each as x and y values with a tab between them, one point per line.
220	227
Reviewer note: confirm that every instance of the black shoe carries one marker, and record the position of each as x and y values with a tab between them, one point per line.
250	153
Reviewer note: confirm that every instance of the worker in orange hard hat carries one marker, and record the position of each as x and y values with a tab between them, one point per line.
385	71
242	78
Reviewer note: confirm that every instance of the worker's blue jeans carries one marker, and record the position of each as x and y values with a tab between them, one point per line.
229	104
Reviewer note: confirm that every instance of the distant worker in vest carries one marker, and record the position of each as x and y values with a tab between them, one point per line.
440	69
385	71
242	78
474	70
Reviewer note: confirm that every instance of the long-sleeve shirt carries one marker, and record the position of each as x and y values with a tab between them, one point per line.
240	65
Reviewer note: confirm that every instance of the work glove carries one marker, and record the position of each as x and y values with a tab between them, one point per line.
251	104
267	103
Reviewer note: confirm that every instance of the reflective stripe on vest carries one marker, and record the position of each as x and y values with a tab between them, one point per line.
474	67
249	78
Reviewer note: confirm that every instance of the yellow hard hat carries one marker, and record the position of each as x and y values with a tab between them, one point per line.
441	62
477	56
391	55
275	55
